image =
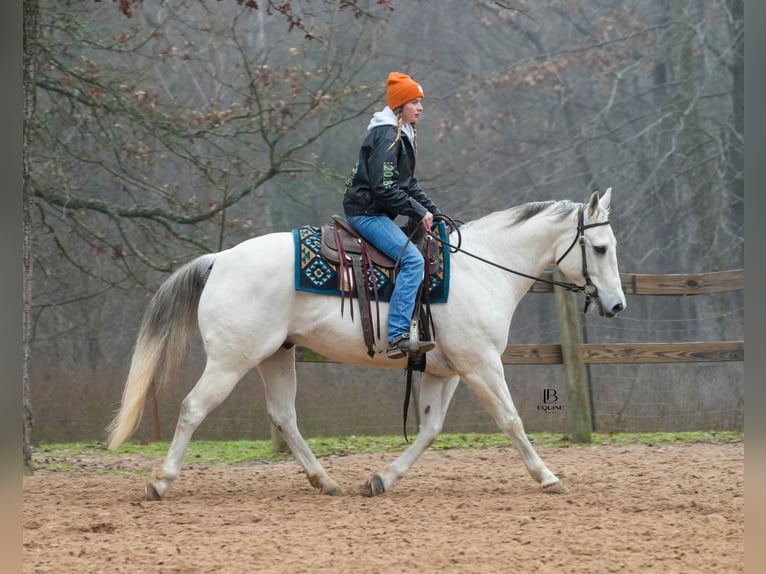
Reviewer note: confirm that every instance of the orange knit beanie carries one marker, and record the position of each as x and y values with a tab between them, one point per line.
400	89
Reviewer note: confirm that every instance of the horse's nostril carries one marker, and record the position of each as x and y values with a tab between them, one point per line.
617	308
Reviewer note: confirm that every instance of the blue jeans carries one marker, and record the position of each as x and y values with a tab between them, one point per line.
384	234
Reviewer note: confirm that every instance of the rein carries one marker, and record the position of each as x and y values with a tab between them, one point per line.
589	289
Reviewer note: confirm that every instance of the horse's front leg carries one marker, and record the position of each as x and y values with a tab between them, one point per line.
279	381
435	396
486	379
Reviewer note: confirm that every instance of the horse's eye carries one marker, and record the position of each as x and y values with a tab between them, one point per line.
600	249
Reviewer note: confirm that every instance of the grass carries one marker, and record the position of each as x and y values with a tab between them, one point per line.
56	456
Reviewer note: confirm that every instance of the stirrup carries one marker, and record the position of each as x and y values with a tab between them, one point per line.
400	347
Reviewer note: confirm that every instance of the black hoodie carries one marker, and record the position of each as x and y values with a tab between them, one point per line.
383	180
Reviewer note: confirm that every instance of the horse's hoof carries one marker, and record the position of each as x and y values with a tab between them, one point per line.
332	491
554	488
150	493
373	487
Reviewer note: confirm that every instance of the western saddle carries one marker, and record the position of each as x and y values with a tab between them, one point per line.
355	258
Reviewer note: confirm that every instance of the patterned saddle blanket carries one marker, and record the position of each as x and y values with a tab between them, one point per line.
315	274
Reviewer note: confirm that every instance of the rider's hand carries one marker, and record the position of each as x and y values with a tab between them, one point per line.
428	220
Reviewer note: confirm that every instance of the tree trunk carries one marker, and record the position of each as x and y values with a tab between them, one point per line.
736	152
31	12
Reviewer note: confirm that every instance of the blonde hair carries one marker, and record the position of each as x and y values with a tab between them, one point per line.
399	132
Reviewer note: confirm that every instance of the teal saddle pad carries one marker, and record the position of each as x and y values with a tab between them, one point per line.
316	275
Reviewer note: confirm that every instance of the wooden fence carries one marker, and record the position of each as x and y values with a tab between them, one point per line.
574	355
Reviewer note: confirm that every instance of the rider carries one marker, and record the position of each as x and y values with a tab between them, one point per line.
382	186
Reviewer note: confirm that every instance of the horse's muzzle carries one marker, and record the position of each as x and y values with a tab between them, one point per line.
608	312
614	310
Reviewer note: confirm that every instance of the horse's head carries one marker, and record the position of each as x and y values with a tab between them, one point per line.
592	260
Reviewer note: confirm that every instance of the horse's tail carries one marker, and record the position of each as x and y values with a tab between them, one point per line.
167	326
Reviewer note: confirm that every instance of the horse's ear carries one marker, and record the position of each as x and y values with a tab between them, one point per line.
606	199
593	204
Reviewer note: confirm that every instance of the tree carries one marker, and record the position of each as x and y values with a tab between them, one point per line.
175	136
31	15
170	135
163	165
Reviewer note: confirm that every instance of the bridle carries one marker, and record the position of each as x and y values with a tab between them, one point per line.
589	289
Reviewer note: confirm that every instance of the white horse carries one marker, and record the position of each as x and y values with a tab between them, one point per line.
250	315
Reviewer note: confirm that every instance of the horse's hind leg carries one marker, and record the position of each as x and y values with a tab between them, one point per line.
435	396
215	384
279	381
488	382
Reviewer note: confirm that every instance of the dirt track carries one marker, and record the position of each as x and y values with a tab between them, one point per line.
629	509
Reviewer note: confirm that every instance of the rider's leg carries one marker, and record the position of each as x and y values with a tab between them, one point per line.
384	234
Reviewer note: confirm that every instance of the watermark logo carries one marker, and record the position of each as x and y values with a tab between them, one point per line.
550	402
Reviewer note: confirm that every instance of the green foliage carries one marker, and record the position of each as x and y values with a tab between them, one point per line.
53	457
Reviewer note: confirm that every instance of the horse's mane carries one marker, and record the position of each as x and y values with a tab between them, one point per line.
527	211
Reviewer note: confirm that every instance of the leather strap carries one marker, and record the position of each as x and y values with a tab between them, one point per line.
364	303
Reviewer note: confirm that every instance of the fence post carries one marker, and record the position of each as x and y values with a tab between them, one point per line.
574	366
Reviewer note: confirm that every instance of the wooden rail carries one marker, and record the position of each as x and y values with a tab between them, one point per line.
574	355
697	284
629	353
644	284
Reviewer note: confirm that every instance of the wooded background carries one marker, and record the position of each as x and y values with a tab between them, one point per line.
196	124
